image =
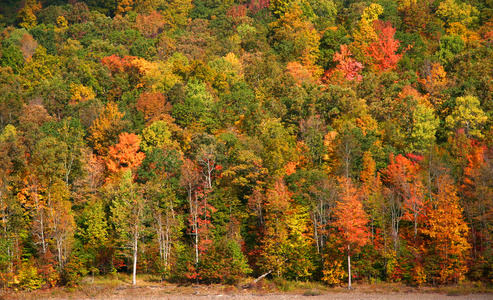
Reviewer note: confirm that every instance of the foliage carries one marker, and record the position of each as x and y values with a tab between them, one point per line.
208	140
29	278
348	66
468	116
383	51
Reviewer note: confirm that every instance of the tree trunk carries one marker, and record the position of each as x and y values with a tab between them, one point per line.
196	225
134	273
349	270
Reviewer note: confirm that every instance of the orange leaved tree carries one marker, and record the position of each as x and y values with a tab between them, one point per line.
351	220
125	155
447	249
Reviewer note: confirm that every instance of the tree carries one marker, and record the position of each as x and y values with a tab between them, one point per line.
285	247
124	6
347	65
405	193
317	193
71	134
176	12
435	82
279	147
167	223
447	248
155	107
27	15
296	38
371	193
190	181
365	33
127	215
125	155
105	130
468	116
28	46
383	51
351	221
11	90
94	232
156	135
151	24
80	93
11	214
195	111
12	58
61	222
425	125
455	11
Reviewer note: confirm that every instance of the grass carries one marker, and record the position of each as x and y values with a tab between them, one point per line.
150	285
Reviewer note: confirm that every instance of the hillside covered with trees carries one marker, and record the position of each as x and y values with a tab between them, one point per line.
207	141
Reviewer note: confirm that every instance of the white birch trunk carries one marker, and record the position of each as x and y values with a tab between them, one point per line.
134	272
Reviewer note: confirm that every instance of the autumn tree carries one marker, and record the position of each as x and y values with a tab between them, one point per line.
365	33
71	134
61	222
452	11
176	12
167	222
125	155
27	15
106	128
124	6
11	223
371	193
278	147
351	220
157	135
435	81
425	125
285	247
313	189
154	106
383	51
150	24
405	194
467	115
196	110
190	181
447	249
127	215
28	46
296	38
94	232
348	66
476	190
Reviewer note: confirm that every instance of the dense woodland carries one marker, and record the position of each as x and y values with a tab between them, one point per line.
210	141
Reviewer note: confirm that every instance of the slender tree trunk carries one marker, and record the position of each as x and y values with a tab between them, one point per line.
349	269
134	273
40	220
196	225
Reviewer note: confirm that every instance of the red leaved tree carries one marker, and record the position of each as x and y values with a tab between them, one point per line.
348	66
405	180
383	51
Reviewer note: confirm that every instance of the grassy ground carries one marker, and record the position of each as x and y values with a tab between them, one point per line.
150	286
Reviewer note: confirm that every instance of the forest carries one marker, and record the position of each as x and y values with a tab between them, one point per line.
209	141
